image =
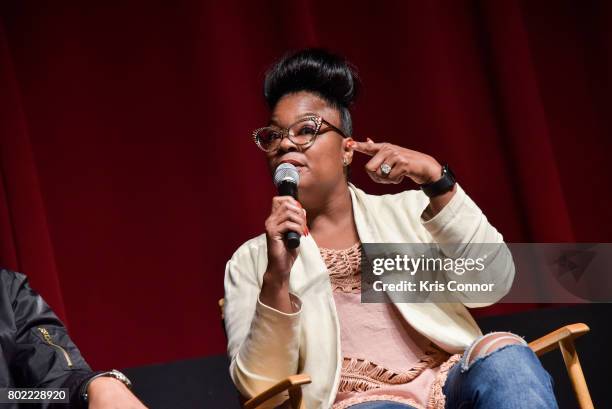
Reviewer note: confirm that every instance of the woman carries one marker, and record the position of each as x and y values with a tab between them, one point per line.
292	311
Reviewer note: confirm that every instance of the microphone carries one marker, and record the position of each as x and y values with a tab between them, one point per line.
286	179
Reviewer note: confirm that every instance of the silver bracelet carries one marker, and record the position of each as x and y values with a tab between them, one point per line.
112	374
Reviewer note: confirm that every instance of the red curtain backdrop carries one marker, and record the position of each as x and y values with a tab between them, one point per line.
127	173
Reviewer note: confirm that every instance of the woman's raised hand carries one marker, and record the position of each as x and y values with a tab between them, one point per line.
402	162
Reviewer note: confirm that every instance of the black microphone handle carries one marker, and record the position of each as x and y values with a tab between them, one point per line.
287	188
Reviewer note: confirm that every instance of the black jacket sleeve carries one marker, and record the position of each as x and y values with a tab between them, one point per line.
43	354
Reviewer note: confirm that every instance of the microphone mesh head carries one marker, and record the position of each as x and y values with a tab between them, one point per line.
286	172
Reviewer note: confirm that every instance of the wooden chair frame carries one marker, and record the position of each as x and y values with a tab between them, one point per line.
562	338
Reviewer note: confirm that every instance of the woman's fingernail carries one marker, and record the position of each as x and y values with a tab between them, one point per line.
369	140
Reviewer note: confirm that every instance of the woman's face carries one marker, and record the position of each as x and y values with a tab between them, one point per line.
320	165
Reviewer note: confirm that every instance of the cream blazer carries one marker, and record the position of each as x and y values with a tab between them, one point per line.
266	345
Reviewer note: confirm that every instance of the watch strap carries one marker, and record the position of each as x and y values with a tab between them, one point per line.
442	185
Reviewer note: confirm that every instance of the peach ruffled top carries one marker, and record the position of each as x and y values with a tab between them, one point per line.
384	358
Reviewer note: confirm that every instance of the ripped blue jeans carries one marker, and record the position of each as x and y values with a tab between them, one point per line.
510	377
506	378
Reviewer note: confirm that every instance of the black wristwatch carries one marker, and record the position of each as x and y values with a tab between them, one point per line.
442	185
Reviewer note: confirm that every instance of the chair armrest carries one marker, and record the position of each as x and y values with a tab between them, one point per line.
551	341
292	382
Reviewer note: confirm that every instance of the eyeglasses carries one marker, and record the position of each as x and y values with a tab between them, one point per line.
302	133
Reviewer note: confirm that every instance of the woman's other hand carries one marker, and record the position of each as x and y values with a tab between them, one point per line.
419	167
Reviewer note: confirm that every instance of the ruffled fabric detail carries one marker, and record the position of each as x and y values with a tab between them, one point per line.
437	400
358	375
344	268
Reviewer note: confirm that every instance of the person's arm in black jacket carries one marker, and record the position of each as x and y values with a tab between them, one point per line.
42	355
